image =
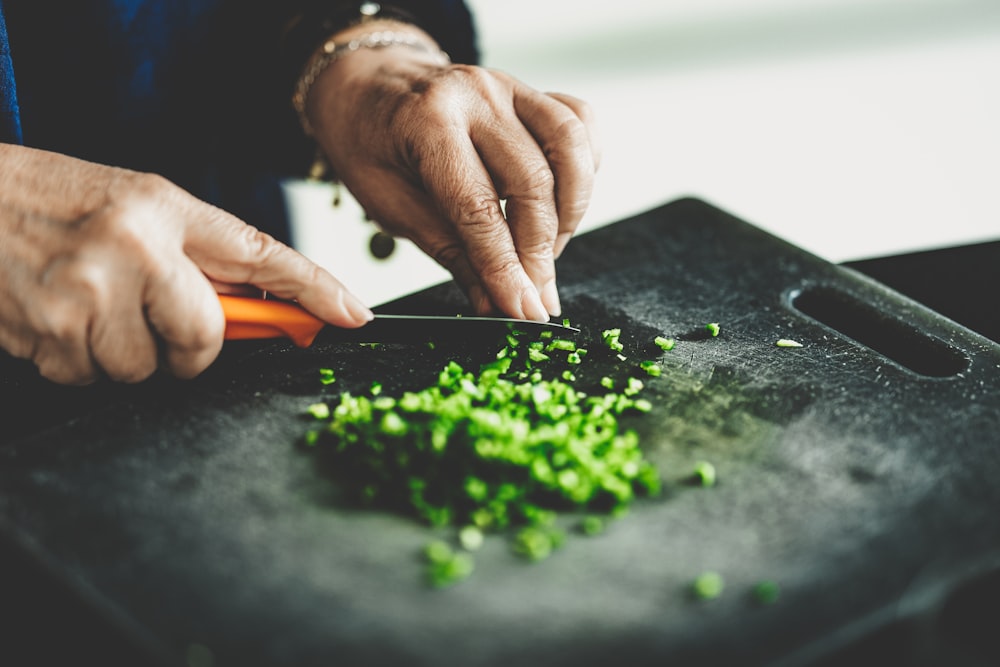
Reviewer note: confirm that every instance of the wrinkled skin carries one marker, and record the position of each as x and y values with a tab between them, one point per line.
430	149
110	272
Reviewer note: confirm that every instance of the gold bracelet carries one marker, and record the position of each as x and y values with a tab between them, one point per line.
332	51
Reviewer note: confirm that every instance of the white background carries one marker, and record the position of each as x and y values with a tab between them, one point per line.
852	128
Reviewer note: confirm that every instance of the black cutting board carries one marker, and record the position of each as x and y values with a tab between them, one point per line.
190	515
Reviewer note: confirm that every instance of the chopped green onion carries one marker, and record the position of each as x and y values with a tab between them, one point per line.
471	538
785	342
319	410
561	344
450	571
652	368
704	473
713	328
707	586
326	376
766	592
592	525
665	344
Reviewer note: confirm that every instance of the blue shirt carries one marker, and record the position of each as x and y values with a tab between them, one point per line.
190	89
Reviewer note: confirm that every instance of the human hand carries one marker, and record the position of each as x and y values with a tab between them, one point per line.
104	270
431	150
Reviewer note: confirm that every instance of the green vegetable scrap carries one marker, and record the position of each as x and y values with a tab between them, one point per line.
707	586
703	473
611	339
785	342
445	565
471	538
326	376
665	344
506	447
592	525
713	328
766	592
319	410
652	368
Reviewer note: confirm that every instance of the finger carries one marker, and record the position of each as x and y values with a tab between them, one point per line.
523	177
565	140
61	352
230	251
459	185
408	212
185	312
122	343
585	113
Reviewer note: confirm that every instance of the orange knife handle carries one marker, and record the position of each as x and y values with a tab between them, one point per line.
251	318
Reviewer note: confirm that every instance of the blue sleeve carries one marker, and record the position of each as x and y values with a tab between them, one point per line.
10	120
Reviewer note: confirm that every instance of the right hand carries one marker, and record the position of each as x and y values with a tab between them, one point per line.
105	271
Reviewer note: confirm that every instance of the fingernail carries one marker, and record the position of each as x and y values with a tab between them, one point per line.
359	311
550	297
561	242
532	306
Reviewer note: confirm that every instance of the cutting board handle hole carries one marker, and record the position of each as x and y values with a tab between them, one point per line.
876	329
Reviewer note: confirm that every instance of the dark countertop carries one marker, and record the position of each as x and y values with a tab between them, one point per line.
54	625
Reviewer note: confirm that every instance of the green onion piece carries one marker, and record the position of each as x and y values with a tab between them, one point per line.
621	357
592	525
319	410
707	586
430	345
545	335
561	344
642	405
326	376
652	368
376	388
537	355
633	387
704	473
438	551
766	592
471	538
451	571
607	382
713	328
568	376
573	358
785	342
665	344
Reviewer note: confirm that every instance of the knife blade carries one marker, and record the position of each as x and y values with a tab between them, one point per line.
253	318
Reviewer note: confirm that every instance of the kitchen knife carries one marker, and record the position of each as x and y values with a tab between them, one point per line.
253	318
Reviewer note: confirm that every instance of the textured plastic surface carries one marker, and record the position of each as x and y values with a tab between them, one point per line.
189	513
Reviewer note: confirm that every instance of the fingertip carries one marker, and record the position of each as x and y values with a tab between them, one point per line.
562	240
357	310
532	306
550	299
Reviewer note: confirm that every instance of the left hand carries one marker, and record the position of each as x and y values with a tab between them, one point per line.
430	150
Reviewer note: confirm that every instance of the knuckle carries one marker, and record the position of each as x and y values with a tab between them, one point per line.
479	212
571	134
501	270
448	255
537	181
149	186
